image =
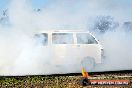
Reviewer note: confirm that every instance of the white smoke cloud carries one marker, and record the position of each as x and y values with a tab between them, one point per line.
19	55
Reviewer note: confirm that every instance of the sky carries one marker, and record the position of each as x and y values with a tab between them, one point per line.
122	7
35	3
3	4
40	3
43	3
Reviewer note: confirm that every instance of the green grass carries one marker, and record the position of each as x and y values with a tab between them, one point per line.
55	81
39	81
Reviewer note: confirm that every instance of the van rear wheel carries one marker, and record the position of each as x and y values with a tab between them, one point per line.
88	63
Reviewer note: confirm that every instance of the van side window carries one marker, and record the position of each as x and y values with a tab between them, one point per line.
62	38
42	38
85	38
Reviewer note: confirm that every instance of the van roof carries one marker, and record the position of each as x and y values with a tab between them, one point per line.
64	31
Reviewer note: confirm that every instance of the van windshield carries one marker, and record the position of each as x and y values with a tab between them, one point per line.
85	38
62	38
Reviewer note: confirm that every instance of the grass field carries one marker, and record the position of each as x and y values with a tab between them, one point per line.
62	81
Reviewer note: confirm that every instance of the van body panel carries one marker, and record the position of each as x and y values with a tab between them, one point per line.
72	53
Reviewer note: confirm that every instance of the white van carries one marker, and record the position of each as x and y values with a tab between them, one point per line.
67	46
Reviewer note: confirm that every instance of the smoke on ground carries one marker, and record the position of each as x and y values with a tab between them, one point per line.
19	54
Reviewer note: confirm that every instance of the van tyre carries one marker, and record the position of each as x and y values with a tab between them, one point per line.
88	63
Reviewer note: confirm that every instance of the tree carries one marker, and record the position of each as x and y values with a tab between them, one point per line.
4	19
127	26
104	23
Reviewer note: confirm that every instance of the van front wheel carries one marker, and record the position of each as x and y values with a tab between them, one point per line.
88	63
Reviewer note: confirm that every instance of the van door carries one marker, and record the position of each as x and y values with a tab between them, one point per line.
63	48
87	46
